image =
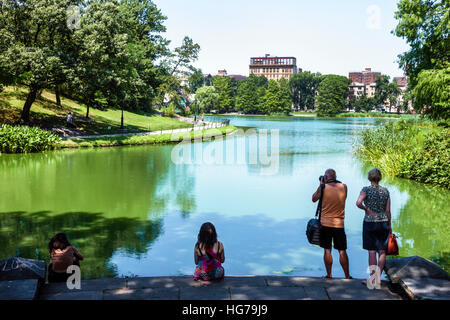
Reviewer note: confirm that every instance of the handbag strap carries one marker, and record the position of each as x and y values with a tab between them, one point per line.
319	205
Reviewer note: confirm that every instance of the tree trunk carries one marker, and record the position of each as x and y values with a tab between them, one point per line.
91	97
87	109
58	96
27	106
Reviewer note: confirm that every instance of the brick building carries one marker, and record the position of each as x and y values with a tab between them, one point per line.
367	76
402	82
273	68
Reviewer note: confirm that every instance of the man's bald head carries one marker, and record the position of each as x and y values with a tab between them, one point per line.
330	174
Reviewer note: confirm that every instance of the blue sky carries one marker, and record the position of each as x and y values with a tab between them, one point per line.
326	36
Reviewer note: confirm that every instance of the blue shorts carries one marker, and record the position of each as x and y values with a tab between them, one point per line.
375	235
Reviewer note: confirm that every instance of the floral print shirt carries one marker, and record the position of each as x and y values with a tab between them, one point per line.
376	200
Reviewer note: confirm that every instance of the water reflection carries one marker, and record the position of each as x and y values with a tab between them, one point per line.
107	200
254	244
423	223
27	234
132	211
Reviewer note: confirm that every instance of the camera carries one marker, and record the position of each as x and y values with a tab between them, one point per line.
321	178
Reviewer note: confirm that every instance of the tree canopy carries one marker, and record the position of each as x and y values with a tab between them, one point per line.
225	91
115	57
332	95
425	25
206	99
304	87
432	93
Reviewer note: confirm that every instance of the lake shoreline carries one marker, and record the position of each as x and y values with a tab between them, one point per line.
313	115
146	138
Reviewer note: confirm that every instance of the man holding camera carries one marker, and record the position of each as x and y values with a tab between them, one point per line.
332	220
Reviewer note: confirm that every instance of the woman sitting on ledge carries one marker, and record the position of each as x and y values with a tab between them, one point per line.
62	255
208	255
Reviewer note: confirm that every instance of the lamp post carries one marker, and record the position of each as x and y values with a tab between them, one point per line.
195	110
121	119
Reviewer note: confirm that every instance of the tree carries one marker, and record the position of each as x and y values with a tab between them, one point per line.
36	44
185	55
196	80
407	100
364	103
304	87
206	99
250	95
432	93
225	91
425	26
381	89
272	103
386	92
102	52
142	22
332	94
393	93
208	80
285	96
178	65
247	95
261	107
107	61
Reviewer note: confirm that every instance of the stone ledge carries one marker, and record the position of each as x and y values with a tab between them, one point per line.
232	287
19	289
414	268
426	289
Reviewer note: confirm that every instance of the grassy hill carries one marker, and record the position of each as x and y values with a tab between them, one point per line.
46	114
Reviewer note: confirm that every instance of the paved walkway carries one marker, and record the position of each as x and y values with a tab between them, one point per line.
206	125
231	288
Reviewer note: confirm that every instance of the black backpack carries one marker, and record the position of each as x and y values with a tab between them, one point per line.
313	227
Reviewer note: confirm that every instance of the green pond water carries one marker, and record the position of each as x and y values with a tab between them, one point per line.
136	211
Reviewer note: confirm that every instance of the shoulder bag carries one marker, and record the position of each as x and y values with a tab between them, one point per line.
313	227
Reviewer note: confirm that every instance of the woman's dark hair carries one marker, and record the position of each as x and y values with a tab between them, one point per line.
61	238
207	235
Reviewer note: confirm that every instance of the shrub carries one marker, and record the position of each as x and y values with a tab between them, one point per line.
409	149
24	139
170	110
430	164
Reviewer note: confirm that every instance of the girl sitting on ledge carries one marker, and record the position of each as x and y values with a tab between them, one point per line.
208	255
62	255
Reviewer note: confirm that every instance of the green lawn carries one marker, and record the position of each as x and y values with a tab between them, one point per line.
304	114
165	138
46	114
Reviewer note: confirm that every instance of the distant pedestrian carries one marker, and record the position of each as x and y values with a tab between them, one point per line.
70	121
203	117
332	220
208	255
62	255
376	203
